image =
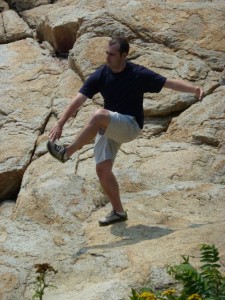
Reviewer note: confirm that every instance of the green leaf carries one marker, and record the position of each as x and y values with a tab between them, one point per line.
134	295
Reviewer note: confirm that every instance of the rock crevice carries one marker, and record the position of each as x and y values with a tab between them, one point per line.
171	178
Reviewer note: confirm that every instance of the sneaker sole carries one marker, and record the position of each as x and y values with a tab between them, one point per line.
112	222
50	152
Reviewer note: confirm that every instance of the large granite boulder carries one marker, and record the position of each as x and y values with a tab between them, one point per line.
172	177
13	28
21	5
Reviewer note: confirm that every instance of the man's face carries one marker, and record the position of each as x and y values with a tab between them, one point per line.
113	57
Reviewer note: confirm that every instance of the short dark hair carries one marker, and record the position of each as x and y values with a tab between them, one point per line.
124	46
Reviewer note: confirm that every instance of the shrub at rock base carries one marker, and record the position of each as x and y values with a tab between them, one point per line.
208	283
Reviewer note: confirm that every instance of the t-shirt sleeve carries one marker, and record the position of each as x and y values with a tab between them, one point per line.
91	85
151	81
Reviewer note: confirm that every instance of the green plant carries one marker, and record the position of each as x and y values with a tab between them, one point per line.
43	279
170	294
145	294
207	283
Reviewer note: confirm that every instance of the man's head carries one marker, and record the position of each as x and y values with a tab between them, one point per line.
117	51
123	45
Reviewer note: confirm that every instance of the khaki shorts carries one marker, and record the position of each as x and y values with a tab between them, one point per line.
121	129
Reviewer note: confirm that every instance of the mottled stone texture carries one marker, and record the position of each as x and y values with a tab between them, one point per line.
172	178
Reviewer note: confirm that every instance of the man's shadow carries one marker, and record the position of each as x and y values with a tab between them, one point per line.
137	233
129	236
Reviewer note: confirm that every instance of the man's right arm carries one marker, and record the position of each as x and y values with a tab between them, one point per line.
56	131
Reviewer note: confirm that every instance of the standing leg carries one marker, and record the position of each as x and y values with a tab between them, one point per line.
109	184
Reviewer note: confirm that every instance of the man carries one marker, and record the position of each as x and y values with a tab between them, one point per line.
122	85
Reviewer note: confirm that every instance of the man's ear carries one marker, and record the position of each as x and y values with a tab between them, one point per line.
124	55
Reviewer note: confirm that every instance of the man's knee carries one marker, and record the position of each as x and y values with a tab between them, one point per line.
101	114
101	118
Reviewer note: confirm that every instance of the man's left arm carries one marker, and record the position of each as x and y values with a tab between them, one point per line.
182	86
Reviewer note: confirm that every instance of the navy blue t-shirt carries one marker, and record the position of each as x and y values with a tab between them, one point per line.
123	92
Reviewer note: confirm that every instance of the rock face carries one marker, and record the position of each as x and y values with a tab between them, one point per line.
172	178
13	28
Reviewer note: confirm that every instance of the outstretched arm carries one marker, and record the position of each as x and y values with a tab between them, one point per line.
182	86
56	131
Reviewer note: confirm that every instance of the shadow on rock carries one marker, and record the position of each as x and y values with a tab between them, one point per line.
129	236
137	233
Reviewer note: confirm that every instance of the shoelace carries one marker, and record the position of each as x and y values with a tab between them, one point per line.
58	148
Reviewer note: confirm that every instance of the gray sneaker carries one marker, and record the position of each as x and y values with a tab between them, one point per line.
113	217
57	151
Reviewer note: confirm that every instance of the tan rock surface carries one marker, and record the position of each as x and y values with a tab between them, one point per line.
3	5
31	82
13	27
21	5
172	178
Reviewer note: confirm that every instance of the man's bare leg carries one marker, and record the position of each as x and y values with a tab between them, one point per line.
109	184
99	120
